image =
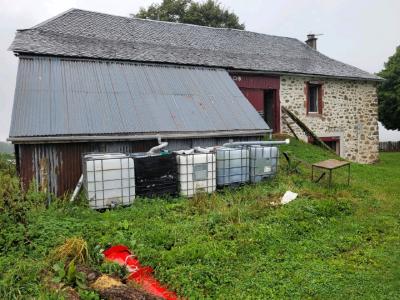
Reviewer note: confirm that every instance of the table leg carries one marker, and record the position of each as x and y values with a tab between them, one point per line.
330	178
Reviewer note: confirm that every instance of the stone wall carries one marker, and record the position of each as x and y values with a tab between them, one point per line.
350	111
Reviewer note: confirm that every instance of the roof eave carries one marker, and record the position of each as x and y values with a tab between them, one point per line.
230	69
132	137
246	71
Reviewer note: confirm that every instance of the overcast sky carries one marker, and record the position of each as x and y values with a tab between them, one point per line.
363	33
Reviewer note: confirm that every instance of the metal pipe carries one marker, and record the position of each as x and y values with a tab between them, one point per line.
77	189
189	151
202	150
159	147
260	143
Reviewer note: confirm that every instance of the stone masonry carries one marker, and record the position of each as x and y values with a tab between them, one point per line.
350	111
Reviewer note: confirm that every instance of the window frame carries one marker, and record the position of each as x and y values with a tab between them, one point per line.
320	104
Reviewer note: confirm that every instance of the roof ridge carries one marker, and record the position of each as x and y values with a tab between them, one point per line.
143	42
83	33
154	21
341	62
49	20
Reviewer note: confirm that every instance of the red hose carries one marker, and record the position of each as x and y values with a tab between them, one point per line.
141	275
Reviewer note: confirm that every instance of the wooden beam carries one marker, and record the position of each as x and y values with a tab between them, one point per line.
290	128
316	140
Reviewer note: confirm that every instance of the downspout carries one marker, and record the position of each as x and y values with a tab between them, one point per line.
159	147
359	131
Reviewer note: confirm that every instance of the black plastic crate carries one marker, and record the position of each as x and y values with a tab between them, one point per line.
156	176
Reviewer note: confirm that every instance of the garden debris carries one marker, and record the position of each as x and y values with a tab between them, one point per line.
139	274
105	282
288	197
106	286
112	288
67	291
125	292
91	274
71	293
74	249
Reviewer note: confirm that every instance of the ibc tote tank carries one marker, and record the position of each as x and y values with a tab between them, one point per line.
109	179
263	162
156	174
232	166
196	172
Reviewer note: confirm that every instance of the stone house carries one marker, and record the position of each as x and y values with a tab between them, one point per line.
90	81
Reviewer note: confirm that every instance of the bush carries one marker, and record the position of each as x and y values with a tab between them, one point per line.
14	203
7	164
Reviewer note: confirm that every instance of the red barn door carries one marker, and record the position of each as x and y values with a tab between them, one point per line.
263	94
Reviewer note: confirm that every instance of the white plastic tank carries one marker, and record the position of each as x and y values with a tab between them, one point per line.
232	166
263	162
109	179
196	172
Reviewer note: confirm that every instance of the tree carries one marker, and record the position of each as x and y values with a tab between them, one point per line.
209	13
389	92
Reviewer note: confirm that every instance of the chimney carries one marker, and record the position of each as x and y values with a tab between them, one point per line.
312	41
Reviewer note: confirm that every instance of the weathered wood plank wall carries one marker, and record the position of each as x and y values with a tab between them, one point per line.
389	146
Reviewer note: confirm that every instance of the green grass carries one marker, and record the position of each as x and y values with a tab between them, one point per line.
335	244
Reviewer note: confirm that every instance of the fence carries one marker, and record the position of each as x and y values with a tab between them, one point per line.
389	146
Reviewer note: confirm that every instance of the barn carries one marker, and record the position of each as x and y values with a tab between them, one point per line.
93	82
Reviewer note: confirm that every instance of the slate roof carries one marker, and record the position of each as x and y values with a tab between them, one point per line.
65	96
80	33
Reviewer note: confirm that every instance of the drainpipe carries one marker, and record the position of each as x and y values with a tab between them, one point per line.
203	150
359	132
260	143
159	147
77	188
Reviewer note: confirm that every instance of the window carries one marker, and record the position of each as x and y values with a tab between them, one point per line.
333	142
314	98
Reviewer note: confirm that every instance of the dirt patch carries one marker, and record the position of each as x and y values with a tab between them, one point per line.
125	292
113	288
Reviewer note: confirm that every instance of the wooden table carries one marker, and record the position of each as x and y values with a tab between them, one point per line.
330	165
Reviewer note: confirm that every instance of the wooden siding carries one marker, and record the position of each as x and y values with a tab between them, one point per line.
389	146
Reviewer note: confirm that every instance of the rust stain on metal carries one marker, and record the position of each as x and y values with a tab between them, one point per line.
44	174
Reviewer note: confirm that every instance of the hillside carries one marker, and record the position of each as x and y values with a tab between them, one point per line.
236	244
6	147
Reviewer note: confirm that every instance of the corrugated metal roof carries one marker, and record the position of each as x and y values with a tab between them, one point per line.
60	97
80	33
